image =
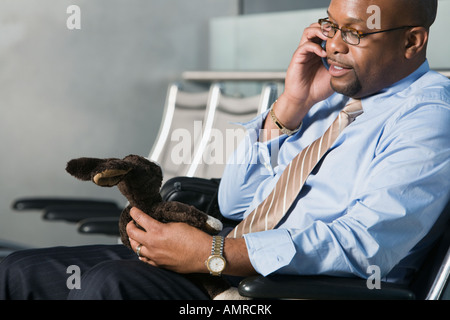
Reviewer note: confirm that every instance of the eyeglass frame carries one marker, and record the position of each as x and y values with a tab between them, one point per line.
358	33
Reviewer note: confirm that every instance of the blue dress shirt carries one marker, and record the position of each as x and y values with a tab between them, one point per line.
372	199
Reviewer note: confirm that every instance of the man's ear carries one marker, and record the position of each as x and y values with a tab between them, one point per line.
82	168
416	42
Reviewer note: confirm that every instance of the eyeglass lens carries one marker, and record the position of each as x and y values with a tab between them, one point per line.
329	30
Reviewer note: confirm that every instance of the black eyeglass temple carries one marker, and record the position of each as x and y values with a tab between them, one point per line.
381	31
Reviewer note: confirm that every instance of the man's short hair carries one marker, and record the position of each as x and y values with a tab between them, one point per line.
424	11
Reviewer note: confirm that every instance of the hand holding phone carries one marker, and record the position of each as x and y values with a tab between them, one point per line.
307	82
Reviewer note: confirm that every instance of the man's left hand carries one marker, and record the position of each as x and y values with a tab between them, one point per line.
173	246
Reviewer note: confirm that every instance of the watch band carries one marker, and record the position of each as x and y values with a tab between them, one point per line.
280	126
217	246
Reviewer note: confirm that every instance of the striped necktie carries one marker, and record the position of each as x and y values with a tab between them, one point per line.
270	212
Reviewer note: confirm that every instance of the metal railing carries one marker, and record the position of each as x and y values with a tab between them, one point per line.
257	76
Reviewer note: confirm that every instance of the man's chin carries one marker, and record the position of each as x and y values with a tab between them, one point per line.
347	88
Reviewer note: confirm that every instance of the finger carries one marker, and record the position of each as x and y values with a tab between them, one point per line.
143	254
142	219
134	232
134	244
313	34
317	49
148	261
142	251
308	51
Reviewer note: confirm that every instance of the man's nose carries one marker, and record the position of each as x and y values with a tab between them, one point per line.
337	45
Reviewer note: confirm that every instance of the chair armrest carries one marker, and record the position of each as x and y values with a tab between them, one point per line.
76	213
319	287
41	203
108	226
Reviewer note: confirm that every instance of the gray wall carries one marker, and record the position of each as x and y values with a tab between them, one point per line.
264	6
98	91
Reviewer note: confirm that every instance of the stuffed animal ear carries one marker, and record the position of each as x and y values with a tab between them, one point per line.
103	172
83	168
110	177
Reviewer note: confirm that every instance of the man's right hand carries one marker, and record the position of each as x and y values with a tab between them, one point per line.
307	81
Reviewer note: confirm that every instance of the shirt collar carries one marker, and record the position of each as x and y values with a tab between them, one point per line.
376	103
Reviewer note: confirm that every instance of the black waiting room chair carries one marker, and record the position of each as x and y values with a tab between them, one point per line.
431	281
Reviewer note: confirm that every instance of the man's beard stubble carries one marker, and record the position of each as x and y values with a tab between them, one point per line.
350	90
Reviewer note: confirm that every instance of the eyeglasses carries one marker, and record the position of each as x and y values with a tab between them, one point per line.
349	35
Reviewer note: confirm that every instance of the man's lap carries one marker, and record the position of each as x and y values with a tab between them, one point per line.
107	272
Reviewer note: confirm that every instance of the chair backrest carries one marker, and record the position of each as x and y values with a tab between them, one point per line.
180	130
221	133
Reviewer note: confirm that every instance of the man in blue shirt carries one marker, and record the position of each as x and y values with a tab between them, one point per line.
372	199
385	181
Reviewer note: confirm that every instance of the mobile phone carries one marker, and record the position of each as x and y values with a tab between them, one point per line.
324	60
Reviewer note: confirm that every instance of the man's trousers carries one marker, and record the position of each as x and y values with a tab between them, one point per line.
105	272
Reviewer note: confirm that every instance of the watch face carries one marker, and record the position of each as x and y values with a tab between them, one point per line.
216	264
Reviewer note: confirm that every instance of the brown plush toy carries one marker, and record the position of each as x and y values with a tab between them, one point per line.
139	180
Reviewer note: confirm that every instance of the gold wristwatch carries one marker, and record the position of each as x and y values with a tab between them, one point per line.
216	262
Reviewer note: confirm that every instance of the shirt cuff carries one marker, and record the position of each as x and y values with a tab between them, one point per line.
269	250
